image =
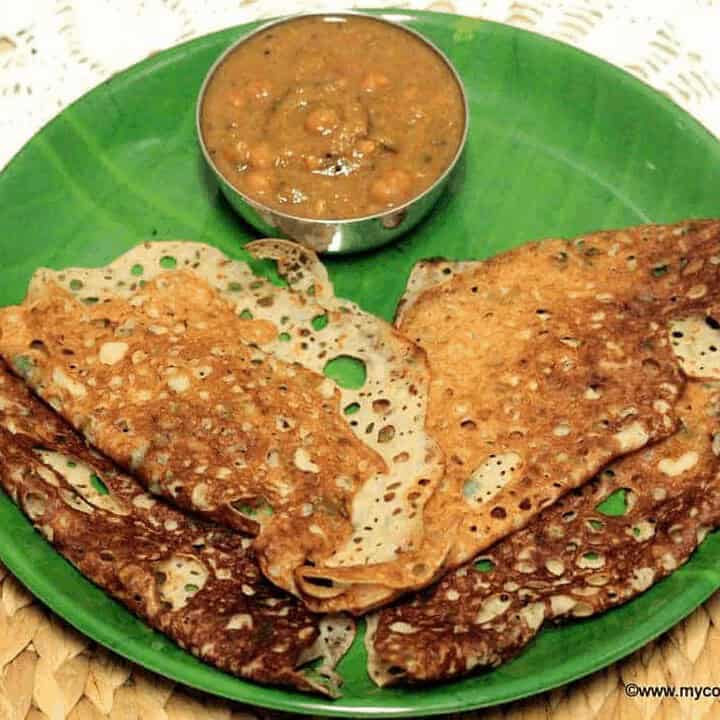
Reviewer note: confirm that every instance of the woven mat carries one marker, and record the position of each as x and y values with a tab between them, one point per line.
49	671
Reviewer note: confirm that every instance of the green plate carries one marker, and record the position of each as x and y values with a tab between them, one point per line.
560	143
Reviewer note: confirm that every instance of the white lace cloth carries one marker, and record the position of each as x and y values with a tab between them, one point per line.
53	51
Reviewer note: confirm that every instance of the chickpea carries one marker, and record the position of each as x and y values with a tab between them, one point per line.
321	121
409	93
391	187
258	182
236	154
415	113
366	146
261	156
237	100
374	81
313	162
241	151
259	89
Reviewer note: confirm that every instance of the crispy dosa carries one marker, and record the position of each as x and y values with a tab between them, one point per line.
197	583
209	383
553	359
596	548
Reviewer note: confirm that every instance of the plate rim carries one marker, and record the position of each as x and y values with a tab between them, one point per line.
274	697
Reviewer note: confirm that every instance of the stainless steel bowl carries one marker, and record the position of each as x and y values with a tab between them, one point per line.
344	235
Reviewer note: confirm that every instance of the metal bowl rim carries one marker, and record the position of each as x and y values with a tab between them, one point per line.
261	207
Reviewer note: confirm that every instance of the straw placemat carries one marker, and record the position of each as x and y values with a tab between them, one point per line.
49	671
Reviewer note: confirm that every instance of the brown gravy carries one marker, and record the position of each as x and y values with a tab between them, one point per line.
332	116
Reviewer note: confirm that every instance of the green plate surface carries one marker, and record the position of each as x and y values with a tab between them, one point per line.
560	143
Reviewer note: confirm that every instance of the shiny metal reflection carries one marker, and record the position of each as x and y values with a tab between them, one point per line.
346	235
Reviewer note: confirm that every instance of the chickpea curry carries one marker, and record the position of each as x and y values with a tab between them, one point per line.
332	117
